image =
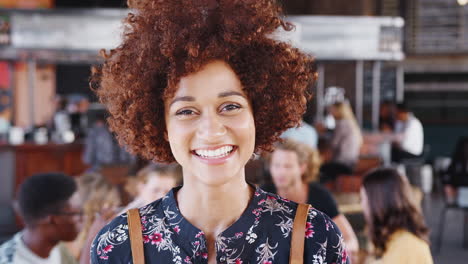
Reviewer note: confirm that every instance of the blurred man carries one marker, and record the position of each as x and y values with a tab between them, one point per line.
294	168
409	138
49	207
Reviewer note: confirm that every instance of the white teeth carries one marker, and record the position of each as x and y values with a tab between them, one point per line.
218	153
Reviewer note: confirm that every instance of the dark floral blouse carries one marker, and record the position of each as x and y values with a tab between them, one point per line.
261	235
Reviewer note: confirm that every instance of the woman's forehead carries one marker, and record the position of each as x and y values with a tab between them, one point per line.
214	78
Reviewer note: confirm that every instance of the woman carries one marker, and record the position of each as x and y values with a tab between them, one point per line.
347	138
193	82
96	194
395	223
294	168
340	153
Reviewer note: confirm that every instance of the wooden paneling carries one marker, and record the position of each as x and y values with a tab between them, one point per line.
31	159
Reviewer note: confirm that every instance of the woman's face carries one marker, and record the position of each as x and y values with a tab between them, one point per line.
210	125
285	168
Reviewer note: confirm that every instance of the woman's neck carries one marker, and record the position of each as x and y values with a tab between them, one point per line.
213	208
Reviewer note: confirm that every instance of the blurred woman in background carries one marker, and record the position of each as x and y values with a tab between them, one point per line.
395	223
346	140
97	195
340	152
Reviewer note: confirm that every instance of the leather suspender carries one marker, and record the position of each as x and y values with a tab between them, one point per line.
296	255
297	239
136	236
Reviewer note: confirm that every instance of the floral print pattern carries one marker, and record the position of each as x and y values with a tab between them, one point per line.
261	235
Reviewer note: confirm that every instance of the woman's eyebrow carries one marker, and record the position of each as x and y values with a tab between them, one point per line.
230	93
192	99
182	98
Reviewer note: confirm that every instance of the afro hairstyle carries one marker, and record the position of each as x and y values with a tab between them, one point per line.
44	194
166	40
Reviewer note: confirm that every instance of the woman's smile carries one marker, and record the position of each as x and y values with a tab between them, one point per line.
215	155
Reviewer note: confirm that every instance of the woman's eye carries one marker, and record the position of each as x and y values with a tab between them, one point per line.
231	107
184	112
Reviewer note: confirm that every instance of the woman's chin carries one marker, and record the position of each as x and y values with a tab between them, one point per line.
215	176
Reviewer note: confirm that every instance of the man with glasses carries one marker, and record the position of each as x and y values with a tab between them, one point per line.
49	207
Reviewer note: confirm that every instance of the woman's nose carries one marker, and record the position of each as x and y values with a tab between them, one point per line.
211	127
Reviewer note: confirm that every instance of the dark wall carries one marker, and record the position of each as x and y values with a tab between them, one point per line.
330	7
74	79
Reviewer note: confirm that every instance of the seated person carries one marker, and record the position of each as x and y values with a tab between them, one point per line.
409	135
49	207
294	167
397	230
457	173
151	183
330	170
342	148
387	116
346	139
97	194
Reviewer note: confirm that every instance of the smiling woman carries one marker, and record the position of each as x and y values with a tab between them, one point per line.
211	133
202	83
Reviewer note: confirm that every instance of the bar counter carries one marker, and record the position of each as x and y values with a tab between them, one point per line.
17	162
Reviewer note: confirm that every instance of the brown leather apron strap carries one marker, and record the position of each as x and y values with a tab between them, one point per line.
136	237
296	255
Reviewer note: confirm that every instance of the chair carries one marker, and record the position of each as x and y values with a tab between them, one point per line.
413	166
461	203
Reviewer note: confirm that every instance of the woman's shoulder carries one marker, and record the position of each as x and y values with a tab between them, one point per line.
404	238
323	239
397	249
112	241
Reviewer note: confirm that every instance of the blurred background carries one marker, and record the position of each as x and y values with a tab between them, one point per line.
371	54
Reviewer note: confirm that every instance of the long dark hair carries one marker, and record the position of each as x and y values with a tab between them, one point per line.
391	207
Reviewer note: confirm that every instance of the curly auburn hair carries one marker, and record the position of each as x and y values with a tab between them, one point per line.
391	208
169	39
